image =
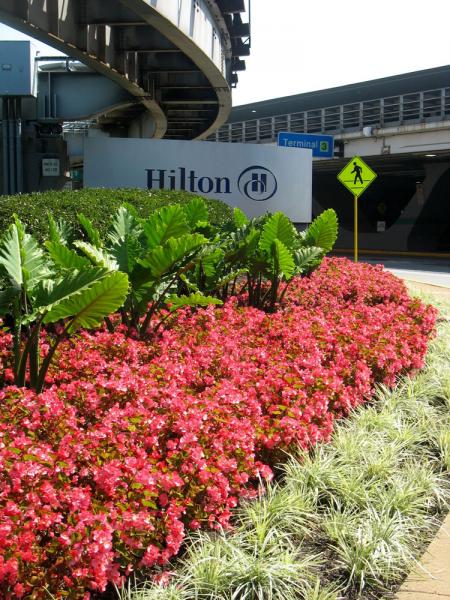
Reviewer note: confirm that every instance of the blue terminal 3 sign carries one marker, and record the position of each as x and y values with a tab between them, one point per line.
322	146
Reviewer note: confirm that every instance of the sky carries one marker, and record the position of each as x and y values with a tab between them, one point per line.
306	45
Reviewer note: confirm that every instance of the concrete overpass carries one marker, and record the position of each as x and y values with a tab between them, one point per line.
139	68
400	125
176	61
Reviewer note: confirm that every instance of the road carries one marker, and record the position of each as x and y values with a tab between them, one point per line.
432	271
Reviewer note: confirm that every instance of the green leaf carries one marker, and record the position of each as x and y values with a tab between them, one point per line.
210	261
92	233
49	293
124	224
163	259
60	231
31	458
126	253
243	249
323	231
283	259
168	222
196	213
65	258
239	218
190	284
177	302
98	256
307	259
93	304
231	277
7	298
277	227
22	257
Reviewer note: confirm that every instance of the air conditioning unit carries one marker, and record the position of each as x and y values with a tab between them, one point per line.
18	69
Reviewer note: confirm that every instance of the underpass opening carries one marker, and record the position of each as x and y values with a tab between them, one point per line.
405	209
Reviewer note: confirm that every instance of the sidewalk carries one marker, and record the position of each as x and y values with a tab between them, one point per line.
432	578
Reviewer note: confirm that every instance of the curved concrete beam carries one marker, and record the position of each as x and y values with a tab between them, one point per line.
62	29
98	66
216	78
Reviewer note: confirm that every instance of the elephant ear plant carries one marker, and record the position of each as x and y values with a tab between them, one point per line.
40	293
155	254
271	252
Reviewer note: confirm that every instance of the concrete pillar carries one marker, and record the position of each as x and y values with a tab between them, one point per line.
143	127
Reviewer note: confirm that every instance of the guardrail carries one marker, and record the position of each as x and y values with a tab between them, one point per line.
417	107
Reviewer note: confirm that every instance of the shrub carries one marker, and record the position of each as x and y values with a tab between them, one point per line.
134	442
98	205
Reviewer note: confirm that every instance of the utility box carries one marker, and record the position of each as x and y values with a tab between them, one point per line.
18	68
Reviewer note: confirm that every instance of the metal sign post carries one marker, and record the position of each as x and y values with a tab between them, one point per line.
356	176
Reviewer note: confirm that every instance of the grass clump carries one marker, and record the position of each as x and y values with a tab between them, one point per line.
349	519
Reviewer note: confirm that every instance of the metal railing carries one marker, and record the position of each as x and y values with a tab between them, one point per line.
79	127
393	111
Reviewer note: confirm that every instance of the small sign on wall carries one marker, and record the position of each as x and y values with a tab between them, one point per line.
51	167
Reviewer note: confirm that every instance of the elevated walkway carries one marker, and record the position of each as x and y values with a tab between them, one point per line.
369	118
175	61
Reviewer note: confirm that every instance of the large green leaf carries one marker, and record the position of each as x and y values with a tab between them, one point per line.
239	218
177	302
196	213
307	259
65	258
50	292
60	231
210	261
163	259
93	304
22	257
124	224
277	227
98	256
92	233
243	246
323	231
168	222
283	260
126	253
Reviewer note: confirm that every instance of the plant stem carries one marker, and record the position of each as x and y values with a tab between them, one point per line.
109	325
35	356
49	357
285	290
17	336
33	340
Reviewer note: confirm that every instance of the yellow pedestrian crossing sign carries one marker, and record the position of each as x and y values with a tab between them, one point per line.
356	176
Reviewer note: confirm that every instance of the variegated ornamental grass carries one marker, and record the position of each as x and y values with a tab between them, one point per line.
134	443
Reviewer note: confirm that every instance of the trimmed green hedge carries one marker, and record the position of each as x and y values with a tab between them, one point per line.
97	204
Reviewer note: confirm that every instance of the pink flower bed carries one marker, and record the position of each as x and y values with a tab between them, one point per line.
132	444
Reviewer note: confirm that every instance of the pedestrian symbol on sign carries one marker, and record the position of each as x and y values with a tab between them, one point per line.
357	170
356	176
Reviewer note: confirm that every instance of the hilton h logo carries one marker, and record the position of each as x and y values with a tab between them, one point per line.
258	183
